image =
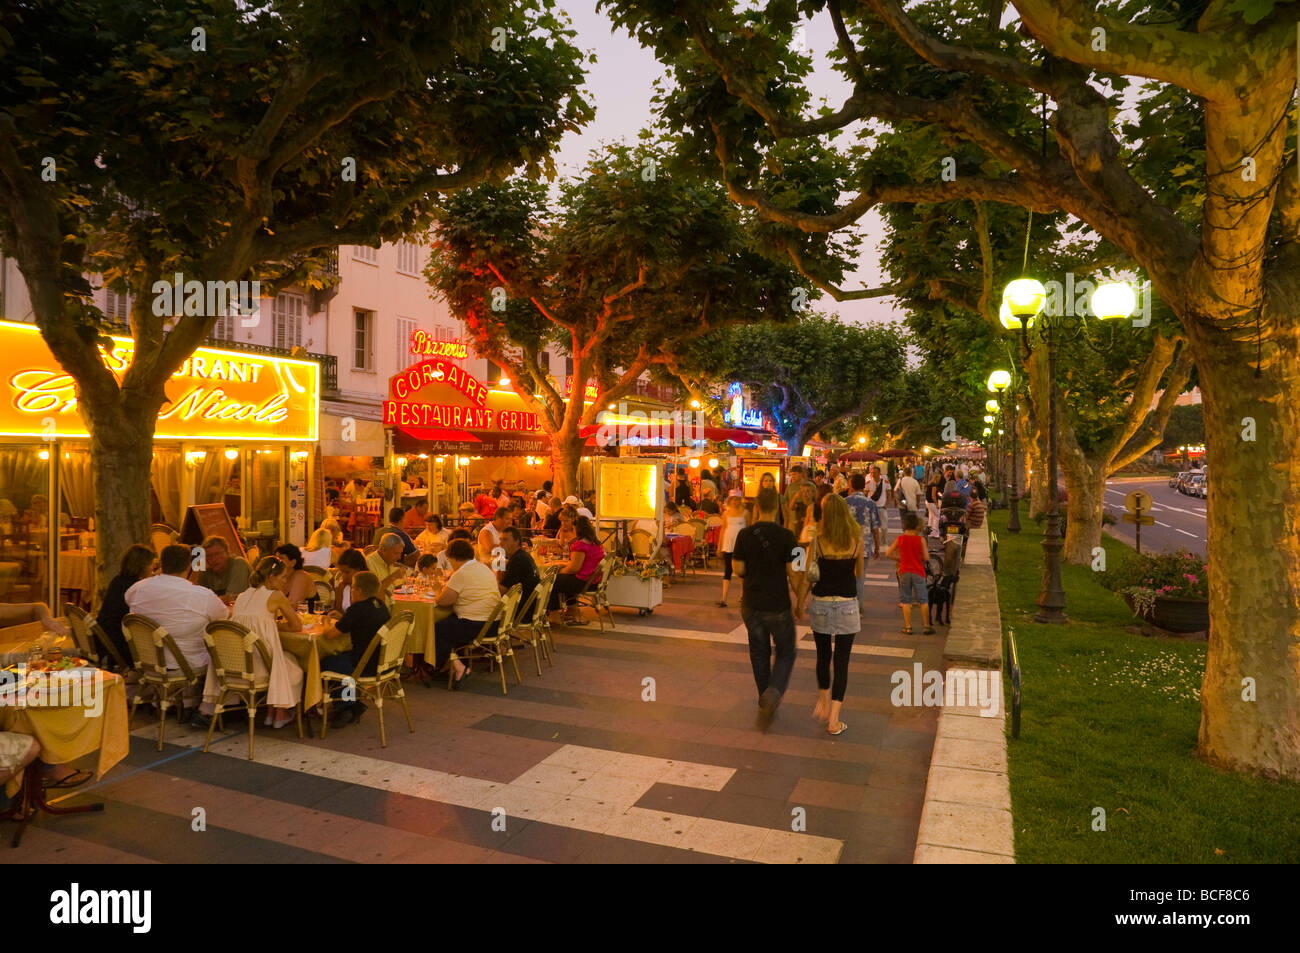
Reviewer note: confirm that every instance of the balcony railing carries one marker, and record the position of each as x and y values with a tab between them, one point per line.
329	364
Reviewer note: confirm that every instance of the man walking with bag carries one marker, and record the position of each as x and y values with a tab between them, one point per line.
762	559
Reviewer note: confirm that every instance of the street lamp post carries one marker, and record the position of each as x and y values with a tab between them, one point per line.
1024	299
1013	522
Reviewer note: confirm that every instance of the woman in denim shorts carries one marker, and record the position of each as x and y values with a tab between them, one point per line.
833	613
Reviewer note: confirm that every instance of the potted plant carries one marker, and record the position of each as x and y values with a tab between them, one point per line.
637	585
1170	590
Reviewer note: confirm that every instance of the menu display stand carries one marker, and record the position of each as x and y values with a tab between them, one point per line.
211	519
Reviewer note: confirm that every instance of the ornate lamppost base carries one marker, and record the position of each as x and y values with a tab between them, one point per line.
1051	601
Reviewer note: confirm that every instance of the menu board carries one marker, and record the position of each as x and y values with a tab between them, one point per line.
752	473
210	519
630	489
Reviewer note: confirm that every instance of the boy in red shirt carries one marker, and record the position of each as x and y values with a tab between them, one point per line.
909	549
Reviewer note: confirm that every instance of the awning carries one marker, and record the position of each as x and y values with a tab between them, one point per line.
663	433
367	437
485	443
857	456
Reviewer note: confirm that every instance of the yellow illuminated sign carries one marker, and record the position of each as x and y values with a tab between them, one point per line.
216	394
629	489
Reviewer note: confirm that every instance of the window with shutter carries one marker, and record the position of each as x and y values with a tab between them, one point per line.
405	328
363	253
408	258
361	348
287	320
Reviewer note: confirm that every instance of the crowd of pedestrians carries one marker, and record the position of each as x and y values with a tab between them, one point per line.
809	548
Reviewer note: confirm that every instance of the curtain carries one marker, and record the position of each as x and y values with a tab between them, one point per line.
22	475
166	471
76	483
211	476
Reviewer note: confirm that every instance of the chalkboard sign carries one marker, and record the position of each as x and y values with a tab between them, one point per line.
211	519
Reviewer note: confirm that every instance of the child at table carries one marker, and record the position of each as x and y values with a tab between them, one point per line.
427	567
361	622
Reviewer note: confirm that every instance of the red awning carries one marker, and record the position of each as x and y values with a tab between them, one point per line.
662	433
861	455
489	443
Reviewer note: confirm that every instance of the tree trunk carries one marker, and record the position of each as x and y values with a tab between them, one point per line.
566	457
1034	449
1250	696
1085	483
121	453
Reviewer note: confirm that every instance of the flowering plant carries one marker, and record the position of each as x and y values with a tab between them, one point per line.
654	569
1178	575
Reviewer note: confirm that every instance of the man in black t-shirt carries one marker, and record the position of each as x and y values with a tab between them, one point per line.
520	567
363	619
762	559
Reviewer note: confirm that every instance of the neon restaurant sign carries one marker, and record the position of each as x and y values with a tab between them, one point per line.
425	345
216	394
440	395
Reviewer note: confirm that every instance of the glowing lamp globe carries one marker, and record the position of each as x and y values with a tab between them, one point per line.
861	441
1009	320
992	406
1024	297
1113	299
999	381
988	418
987	431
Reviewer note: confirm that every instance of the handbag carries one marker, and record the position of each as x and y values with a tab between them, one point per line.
814	570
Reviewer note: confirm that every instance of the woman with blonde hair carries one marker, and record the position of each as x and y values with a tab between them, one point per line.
319	551
833	615
265	609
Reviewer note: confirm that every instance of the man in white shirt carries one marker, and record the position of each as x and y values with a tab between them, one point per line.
543	507
908	494
178	605
489	537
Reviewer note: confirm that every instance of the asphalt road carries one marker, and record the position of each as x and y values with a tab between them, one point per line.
1180	520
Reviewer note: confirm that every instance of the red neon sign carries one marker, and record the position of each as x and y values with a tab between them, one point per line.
423	344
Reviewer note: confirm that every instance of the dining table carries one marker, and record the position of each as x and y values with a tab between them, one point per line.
425	616
16	642
309	646
77	570
679	546
71	714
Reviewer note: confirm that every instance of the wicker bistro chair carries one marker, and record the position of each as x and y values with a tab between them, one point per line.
317	572
231	646
493	645
699	555
390	643
532	625
324	594
92	641
642	544
596	598
148	640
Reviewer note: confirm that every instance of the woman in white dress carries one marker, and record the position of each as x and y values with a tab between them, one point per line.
265	609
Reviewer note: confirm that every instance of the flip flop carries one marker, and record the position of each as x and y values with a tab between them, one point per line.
76	779
838	731
907	630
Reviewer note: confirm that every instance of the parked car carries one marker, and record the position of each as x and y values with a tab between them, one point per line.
1177	478
1183	479
1194	485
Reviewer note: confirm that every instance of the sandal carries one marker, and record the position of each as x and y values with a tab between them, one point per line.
838	729
907	630
73	780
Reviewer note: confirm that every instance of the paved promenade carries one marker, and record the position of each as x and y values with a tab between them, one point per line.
574	766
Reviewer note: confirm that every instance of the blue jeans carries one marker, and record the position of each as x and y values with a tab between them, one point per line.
765	630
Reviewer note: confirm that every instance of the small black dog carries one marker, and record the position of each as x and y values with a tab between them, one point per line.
942	591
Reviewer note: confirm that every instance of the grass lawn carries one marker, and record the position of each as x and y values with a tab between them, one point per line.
1109	719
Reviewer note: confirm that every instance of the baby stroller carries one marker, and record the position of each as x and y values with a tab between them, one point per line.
942	571
952	518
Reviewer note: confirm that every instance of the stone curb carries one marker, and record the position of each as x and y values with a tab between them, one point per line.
966	818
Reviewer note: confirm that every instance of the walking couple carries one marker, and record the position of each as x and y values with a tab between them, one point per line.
771	565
